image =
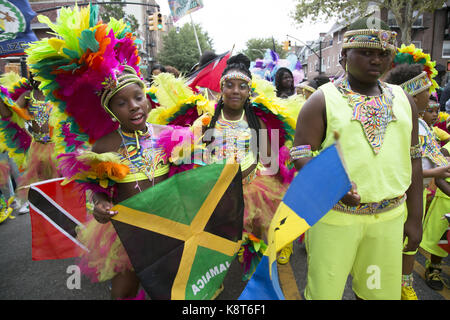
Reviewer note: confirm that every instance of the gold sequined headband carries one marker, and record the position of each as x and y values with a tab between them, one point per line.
113	84
235	75
370	38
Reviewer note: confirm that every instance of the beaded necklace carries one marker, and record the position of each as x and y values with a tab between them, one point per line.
141	151
40	111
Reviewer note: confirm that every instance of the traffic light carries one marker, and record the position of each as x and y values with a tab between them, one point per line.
159	21
151	22
155	22
287	45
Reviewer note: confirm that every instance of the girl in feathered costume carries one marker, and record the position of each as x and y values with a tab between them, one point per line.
91	73
15	140
232	131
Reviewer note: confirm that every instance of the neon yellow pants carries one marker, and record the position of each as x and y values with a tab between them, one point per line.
434	226
369	247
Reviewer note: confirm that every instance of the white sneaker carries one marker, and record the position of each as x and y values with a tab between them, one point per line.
24	209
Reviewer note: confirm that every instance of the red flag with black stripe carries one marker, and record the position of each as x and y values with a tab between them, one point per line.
56	211
209	75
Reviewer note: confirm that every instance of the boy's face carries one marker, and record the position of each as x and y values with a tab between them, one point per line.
431	113
421	100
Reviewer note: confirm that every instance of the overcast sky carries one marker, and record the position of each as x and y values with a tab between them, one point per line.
231	22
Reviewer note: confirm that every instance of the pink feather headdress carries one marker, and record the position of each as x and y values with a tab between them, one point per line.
85	59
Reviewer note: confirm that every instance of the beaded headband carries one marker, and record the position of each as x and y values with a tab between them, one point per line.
235	75
113	84
417	84
370	38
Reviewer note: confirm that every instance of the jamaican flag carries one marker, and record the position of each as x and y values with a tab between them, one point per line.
182	234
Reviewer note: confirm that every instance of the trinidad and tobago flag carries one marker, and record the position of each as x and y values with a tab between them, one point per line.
182	234
55	212
208	76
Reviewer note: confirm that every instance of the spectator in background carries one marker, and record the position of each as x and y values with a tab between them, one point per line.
155	70
284	83
173	71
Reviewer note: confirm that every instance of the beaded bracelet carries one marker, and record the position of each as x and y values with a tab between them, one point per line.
416	151
299	152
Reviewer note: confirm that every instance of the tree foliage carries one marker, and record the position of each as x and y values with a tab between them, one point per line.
179	48
256	48
405	12
116	11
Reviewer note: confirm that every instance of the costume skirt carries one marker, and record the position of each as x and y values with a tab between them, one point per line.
261	197
40	165
106	257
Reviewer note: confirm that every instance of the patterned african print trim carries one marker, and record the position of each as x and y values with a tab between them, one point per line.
430	147
373	112
372	207
417	84
370	38
416	151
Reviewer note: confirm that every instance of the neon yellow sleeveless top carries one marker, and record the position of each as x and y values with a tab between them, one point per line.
376	150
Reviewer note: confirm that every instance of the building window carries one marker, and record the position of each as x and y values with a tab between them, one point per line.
418	44
391	20
446	49
419	20
339	36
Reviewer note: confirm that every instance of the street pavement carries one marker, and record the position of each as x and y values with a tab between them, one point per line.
24	279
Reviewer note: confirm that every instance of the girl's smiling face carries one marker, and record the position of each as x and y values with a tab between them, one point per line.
234	93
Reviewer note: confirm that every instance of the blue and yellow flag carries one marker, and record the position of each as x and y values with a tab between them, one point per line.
318	186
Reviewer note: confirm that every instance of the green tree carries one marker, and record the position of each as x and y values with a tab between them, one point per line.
256	48
179	47
405	12
116	11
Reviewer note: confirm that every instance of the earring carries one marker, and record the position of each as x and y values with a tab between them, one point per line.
346	66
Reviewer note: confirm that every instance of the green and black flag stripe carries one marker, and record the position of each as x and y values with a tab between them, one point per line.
182	234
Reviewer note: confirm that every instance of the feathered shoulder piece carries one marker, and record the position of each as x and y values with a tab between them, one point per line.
179	105
279	124
94	171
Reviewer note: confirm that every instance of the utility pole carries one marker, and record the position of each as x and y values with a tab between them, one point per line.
312	50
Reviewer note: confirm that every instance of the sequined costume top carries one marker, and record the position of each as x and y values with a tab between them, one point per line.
232	140
142	155
40	111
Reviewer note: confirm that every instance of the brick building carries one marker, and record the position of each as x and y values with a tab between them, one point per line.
430	33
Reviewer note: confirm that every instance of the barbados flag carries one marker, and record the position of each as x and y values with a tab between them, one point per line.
182	234
318	186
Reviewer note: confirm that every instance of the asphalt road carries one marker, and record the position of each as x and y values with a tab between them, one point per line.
24	279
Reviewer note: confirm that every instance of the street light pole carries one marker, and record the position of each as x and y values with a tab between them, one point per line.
318	55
